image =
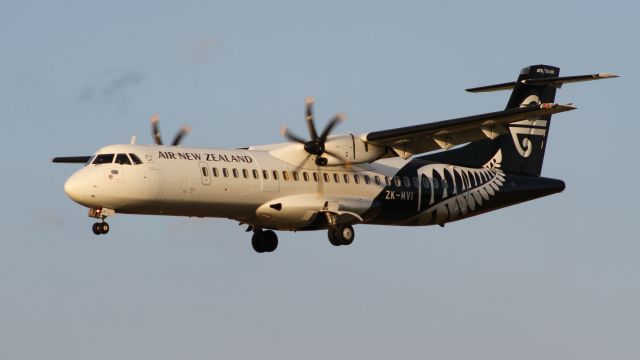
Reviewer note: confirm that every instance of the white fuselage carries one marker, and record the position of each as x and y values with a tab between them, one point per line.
245	185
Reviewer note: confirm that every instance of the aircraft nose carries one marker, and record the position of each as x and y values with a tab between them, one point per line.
75	187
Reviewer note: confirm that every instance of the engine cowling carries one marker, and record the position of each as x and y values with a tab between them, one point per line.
340	150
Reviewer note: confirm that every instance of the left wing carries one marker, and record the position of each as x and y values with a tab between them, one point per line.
410	140
71	159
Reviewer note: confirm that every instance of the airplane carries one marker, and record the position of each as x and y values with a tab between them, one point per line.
426	174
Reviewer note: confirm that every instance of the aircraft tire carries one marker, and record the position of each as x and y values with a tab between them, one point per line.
333	237
96	228
256	242
344	234
104	228
269	241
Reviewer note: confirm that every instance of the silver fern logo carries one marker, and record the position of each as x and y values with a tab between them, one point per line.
450	192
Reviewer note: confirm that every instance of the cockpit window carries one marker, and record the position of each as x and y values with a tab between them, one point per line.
136	160
122	159
103	159
90	160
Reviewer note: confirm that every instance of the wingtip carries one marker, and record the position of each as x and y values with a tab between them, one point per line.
607	75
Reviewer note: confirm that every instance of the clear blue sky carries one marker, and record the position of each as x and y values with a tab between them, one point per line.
557	278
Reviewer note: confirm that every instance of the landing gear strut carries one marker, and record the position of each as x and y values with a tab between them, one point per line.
264	241
341	234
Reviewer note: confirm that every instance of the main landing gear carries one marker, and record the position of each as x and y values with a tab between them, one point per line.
264	241
341	234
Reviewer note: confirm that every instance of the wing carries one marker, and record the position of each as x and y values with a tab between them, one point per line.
71	159
410	140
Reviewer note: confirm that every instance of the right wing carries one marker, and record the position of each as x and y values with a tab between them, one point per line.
411	140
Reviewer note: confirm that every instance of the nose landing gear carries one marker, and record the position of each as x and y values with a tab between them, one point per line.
101	227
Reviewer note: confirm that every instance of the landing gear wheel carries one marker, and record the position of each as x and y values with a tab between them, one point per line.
269	241
104	228
100	228
96	229
346	234
264	241
256	242
333	238
341	235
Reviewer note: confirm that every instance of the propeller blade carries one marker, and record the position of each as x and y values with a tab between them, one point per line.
336	119
303	161
291	136
181	134
308	104
155	129
346	163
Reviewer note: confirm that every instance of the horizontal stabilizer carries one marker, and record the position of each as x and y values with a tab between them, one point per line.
71	159
554	81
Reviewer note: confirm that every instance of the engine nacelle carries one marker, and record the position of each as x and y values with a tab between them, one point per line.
349	148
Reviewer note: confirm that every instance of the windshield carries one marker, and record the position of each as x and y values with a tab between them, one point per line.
103	159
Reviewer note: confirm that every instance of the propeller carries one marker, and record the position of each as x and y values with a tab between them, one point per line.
316	145
157	138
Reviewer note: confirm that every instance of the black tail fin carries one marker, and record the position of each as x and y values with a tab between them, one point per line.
524	145
523	148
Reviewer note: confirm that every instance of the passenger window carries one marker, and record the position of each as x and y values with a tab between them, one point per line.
326	177
407	181
235	173
387	180
103	159
295	176
265	174
136	160
426	183
245	173
356	179
367	180
397	180
285	176
275	175
416	182
305	176
336	178
255	173
316	177
346	178
215	172
205	171
225	172
377	179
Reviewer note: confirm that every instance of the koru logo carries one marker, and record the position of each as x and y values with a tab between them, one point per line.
522	131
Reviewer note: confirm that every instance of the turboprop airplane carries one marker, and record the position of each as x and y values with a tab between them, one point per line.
388	177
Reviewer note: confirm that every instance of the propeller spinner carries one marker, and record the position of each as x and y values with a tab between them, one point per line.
316	145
